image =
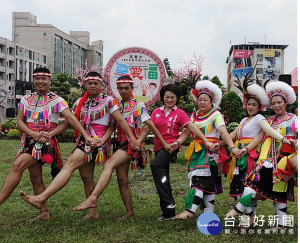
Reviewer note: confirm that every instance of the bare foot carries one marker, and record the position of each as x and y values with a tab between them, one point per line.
89	216
127	216
232	213
44	215
92	214
185	215
31	200
85	205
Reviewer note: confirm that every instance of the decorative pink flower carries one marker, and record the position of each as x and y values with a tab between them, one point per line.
190	73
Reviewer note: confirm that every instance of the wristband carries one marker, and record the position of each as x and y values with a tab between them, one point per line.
232	147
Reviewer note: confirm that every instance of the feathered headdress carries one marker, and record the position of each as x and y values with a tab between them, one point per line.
209	88
250	90
257	92
282	89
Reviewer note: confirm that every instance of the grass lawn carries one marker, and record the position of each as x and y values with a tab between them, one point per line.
68	226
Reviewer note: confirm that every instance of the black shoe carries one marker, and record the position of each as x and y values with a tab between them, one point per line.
169	213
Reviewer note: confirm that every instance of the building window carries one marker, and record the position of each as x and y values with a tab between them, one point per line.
98	58
84	57
30	71
58	55
76	57
260	57
68	57
259	71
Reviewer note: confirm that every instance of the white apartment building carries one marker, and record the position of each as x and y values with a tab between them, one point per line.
269	60
7	69
16	65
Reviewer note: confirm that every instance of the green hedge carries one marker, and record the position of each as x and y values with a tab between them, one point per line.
8	125
66	136
13	133
231	126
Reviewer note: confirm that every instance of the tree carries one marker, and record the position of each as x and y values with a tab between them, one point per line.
74	83
292	107
190	73
168	67
66	87
61	86
187	76
75	93
231	107
62	77
206	77
184	91
217	81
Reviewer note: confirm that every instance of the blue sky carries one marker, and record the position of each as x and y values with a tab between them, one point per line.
171	28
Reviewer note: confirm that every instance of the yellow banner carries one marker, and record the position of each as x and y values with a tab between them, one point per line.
272	52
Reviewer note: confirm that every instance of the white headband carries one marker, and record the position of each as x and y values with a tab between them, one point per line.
41	74
93	78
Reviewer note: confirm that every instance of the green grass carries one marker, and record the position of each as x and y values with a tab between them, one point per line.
68	226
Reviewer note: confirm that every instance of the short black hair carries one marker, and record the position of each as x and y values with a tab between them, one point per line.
93	74
41	70
124	77
153	84
172	88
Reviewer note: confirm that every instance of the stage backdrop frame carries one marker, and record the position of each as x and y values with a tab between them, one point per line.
145	68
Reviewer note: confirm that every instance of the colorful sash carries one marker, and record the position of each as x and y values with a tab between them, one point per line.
196	146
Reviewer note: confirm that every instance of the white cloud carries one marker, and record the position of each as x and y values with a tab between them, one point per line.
171	28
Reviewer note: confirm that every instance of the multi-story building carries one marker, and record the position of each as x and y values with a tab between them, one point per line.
41	45
26	60
7	69
269	61
64	52
16	65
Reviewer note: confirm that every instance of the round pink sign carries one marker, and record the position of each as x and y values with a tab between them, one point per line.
144	67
